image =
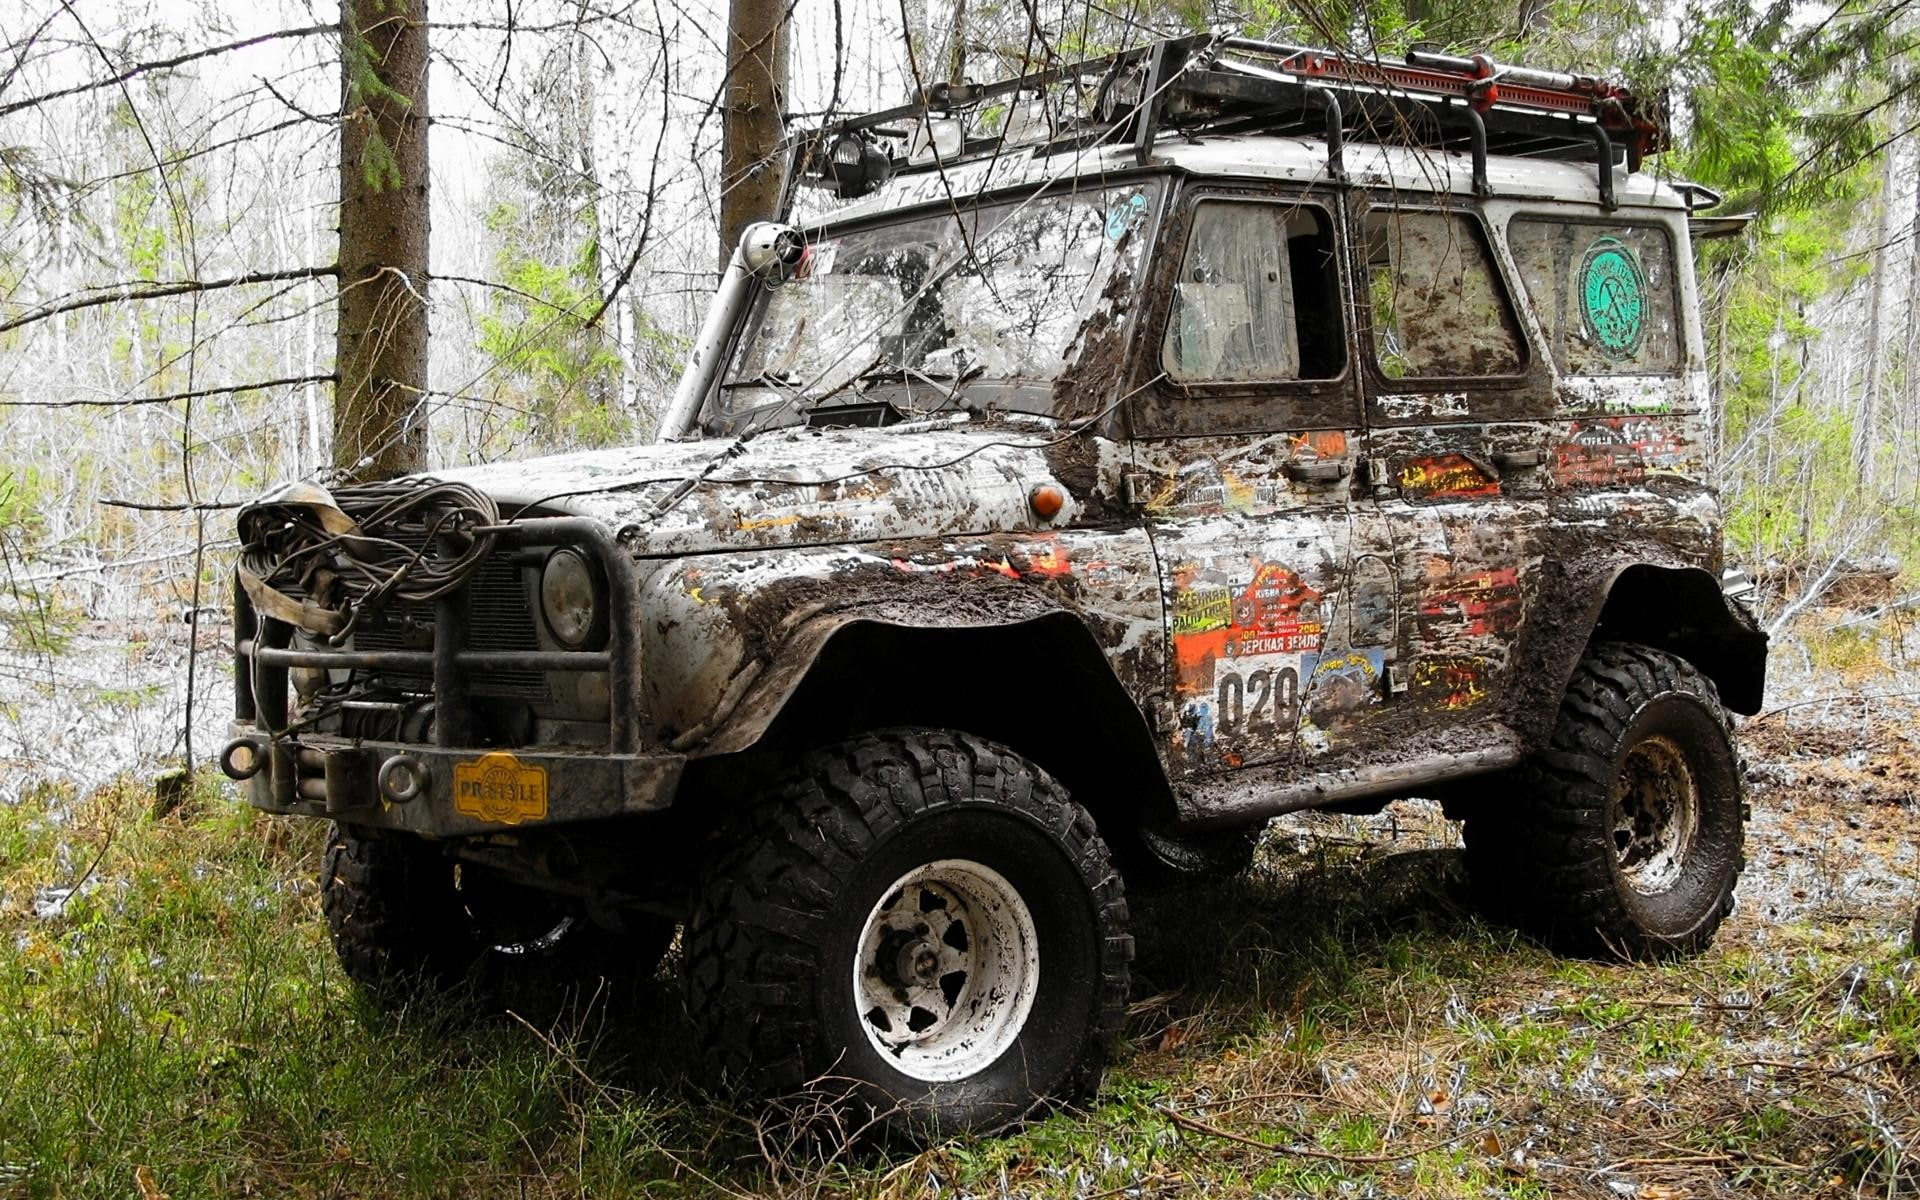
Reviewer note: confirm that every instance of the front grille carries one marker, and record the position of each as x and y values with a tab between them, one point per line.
501	618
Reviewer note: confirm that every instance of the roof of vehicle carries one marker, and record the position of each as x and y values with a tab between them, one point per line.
1262	157
1225	107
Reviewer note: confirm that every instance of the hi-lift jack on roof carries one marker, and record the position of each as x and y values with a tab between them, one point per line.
1218	85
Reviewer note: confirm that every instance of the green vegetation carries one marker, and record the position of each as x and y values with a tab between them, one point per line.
1332	1018
562	373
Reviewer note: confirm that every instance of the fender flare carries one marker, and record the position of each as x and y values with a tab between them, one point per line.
1037	716
1676	607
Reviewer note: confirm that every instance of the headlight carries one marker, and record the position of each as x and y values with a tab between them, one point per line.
570	600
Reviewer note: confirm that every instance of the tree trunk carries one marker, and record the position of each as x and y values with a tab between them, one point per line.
1910	405
1866	424
602	383
379	404
751	170
957	48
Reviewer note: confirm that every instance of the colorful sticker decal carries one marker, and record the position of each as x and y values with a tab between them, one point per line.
1450	682
1202	610
1241	656
500	789
1611	451
1476	604
1318	444
1125	215
1613	298
1446	477
1342	686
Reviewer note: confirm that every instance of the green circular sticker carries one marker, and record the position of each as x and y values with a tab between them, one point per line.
1613	297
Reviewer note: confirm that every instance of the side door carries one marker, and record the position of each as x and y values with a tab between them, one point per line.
1458	447
1244	456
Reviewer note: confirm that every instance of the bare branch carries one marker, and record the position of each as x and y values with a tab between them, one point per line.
202	506
189	155
170	397
162	290
275	93
163	64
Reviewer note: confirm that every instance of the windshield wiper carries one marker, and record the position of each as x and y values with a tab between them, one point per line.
948	385
893	373
791	394
767	379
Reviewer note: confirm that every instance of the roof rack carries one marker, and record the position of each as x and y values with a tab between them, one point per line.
1226	85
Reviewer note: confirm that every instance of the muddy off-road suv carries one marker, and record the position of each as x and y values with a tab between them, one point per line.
1095	465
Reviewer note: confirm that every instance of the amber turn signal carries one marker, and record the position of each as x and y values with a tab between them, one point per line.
1047	501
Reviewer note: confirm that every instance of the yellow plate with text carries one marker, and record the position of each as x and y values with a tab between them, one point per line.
501	789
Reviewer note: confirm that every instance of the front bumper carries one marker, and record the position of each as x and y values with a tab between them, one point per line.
456	786
461	791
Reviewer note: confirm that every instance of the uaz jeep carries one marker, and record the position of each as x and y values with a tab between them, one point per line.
1098	464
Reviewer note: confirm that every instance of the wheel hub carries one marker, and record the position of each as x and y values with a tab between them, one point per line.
947	970
1655	814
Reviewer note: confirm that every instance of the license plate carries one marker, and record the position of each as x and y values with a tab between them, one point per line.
500	789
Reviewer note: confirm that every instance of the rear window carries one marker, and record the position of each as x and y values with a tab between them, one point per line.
1604	293
1439	308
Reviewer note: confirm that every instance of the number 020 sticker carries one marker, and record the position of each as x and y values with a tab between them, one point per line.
1613	298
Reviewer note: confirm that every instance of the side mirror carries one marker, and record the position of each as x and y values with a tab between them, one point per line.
772	252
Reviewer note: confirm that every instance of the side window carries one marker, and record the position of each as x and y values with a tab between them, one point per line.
1603	293
1257	299
1439	309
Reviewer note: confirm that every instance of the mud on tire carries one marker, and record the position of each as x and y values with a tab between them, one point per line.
1627	834
919	927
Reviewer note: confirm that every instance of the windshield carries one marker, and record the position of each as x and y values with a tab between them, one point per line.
992	293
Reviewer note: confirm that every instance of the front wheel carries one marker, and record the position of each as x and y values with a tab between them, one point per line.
1627	838
920	924
403	917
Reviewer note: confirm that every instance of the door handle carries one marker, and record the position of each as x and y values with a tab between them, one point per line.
1325	470
1513	460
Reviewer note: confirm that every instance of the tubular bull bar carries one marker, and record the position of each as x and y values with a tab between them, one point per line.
452	786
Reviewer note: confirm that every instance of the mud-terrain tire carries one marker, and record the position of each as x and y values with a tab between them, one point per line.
401	923
1152	861
391	908
916	929
1630	837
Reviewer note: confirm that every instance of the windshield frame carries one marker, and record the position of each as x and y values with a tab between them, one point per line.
1035	396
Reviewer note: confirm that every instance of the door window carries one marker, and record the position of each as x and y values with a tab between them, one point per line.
1257	298
1439	309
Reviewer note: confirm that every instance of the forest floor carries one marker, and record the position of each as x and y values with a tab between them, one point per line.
1335	1022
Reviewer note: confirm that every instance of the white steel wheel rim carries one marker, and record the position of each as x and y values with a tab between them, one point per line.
1655	815
947	969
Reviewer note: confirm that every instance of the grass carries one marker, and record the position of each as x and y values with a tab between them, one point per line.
1332	1024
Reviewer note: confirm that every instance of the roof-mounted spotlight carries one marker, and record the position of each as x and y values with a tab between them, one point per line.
857	164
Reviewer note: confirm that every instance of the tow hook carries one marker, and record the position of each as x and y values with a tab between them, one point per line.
403	778
243	758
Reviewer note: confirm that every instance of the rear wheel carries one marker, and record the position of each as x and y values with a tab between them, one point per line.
918	925
1628	838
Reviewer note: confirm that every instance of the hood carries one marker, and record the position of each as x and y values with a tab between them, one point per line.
798	487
